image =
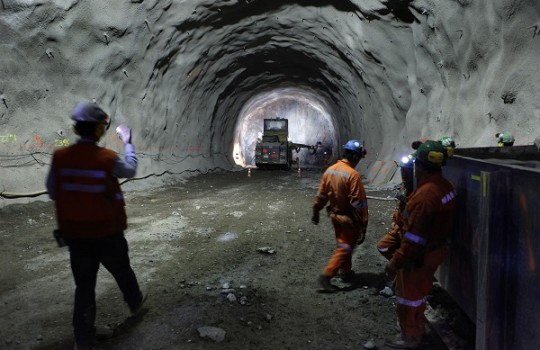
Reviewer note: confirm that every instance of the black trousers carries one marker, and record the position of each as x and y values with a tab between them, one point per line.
86	256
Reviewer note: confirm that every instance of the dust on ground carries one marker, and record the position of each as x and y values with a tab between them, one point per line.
226	250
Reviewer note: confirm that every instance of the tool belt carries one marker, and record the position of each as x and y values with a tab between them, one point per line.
339	217
331	210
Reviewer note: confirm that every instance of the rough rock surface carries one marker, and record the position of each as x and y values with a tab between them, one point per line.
186	75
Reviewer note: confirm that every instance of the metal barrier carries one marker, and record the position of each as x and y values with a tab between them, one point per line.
492	270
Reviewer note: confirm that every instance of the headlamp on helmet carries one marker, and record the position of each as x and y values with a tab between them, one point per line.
356	147
449	143
407	161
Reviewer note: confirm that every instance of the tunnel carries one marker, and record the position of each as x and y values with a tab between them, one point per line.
194	79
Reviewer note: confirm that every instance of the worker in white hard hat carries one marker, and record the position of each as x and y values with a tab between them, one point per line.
83	182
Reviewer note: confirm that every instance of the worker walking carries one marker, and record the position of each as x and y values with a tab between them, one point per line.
341	186
83	182
430	219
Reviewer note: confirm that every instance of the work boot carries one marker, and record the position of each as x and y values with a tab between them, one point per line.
387	292
347	277
136	310
104	332
324	282
403	341
80	347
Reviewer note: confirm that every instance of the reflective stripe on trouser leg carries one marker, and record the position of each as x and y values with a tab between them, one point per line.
411	290
346	238
388	244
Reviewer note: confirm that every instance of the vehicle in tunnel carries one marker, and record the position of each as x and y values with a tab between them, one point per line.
274	149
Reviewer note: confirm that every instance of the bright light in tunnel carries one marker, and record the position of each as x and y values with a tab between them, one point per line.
308	118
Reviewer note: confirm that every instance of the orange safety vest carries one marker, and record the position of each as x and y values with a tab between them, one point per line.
89	201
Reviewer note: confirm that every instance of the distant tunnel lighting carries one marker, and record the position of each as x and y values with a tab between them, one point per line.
309	122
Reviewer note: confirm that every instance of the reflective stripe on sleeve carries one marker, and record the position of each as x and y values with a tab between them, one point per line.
415	238
119	196
382	250
448	197
411	303
344	246
96	174
359	205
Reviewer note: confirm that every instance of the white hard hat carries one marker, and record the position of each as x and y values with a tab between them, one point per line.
87	112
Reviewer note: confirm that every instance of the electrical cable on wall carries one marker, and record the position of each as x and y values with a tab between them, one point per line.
8	195
155	157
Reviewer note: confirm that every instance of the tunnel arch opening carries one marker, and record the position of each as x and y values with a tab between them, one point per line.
310	123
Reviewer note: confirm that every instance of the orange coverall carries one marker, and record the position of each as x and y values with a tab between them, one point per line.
391	241
342	187
431	211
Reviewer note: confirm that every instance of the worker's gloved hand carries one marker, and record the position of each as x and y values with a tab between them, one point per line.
124	133
315	217
390	271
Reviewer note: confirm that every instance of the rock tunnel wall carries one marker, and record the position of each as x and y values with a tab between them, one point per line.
180	72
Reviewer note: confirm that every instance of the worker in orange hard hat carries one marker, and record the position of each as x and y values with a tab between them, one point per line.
430	218
83	182
341	186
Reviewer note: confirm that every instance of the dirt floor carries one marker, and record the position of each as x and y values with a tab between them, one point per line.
228	251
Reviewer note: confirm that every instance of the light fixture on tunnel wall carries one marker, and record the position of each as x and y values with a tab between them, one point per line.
309	123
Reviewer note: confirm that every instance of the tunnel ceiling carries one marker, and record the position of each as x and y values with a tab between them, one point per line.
181	73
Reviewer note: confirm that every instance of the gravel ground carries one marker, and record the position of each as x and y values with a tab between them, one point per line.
229	261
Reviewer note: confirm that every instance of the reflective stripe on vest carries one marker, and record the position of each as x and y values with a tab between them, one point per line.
83	188
338	173
448	197
96	174
382	250
414	238
411	303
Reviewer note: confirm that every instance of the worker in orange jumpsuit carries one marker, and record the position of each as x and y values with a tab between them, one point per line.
342	187
391	241
430	220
